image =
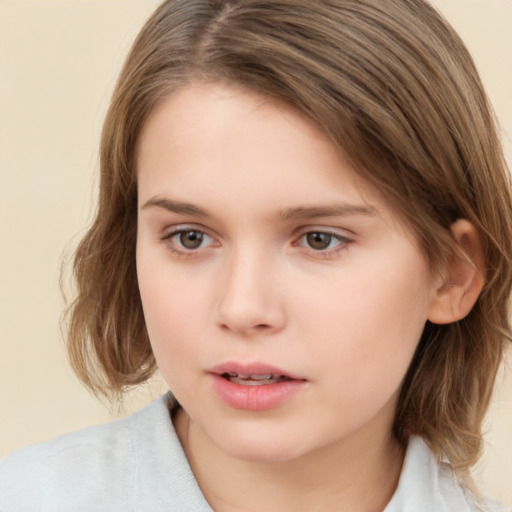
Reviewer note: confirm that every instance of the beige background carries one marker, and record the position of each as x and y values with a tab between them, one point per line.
58	63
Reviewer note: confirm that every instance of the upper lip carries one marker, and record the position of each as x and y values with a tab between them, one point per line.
249	369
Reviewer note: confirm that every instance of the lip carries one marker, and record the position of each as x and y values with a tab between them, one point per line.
252	369
255	398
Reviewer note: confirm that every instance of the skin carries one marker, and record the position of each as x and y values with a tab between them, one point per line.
345	318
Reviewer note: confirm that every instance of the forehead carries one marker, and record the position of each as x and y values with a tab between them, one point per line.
226	146
229	122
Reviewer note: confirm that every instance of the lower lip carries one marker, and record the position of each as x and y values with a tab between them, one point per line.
255	398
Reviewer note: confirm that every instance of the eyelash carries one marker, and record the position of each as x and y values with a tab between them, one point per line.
175	248
342	244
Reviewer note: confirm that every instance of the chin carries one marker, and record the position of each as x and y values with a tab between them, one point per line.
263	453
265	447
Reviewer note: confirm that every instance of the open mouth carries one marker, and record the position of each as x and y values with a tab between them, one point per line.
254	386
254	380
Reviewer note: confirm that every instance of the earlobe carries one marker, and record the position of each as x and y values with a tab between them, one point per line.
464	276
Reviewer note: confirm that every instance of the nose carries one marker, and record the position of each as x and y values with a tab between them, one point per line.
250	302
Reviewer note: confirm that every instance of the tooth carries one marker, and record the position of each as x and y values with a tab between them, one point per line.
267	376
256	380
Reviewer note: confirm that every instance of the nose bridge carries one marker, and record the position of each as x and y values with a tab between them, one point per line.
248	298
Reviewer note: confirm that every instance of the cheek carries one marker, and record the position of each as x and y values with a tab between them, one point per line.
175	335
389	298
171	311
368	321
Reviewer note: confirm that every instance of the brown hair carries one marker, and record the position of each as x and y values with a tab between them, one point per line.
392	85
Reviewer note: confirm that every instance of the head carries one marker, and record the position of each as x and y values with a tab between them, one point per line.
393	88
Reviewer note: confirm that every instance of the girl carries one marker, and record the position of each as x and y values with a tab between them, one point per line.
304	221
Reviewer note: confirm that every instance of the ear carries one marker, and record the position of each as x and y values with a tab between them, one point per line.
464	276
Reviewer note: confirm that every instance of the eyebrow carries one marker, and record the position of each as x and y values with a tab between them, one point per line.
296	213
174	206
335	210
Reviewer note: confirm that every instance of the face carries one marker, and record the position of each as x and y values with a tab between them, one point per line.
283	299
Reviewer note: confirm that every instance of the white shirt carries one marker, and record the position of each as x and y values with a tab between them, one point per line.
138	465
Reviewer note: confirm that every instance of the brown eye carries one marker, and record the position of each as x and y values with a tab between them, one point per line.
319	241
191	239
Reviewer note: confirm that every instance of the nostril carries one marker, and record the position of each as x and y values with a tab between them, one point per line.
258	329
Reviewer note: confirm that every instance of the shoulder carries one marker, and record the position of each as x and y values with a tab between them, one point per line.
91	469
426	485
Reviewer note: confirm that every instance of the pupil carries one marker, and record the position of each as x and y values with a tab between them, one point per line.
319	241
191	239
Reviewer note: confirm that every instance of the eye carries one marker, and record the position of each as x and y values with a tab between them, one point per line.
322	241
319	241
188	239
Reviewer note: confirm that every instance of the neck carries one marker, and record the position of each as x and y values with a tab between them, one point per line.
359	474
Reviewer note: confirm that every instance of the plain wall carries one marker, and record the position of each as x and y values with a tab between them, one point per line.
58	63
